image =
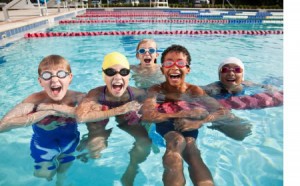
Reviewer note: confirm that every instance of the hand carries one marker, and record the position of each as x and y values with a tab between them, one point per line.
45	107
184	124
194	113
130	106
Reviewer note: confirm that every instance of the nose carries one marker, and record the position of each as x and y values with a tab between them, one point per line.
118	76
54	78
147	53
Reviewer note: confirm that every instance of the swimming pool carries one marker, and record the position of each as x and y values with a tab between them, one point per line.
258	160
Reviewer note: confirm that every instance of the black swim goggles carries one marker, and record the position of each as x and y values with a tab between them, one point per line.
61	74
111	72
144	50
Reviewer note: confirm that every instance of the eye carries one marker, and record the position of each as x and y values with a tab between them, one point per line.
181	63
238	70
168	63
62	74
46	75
124	72
224	69
151	50
110	72
142	50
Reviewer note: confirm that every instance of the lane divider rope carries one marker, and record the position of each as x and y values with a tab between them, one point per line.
154	32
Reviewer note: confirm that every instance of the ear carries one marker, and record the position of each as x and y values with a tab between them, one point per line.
71	77
188	70
161	69
40	81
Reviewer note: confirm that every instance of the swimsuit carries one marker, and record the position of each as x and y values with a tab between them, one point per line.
113	104
131	117
166	126
223	94
46	145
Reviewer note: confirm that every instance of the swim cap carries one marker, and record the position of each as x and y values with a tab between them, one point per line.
115	58
232	60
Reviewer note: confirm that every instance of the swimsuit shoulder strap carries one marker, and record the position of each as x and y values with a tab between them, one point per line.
131	94
102	96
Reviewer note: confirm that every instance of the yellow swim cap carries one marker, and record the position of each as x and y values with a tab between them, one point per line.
115	58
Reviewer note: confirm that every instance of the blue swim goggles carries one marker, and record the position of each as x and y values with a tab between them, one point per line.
144	50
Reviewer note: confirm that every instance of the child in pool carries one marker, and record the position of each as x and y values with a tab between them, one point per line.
147	73
51	112
115	99
231	83
231	80
180	129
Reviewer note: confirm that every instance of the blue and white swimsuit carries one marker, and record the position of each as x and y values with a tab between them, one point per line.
46	145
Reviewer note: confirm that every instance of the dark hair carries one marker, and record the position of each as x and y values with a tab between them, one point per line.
176	48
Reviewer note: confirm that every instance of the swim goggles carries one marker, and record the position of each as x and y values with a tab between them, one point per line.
144	50
111	72
179	63
236	69
48	75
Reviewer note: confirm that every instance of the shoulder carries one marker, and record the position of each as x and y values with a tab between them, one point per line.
36	98
212	88
249	83
195	90
137	91
76	96
134	68
95	91
93	94
156	88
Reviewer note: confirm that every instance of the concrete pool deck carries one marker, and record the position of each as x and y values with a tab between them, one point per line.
21	21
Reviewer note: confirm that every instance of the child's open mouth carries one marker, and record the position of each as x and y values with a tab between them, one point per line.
230	80
147	60
56	90
117	86
175	76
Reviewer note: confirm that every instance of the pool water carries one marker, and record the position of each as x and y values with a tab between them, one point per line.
257	160
159	26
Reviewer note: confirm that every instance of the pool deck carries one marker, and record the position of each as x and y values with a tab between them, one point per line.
21	21
24	17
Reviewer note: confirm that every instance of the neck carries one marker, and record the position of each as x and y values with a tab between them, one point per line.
234	89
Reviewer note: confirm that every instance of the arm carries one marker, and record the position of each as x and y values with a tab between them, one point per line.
21	116
63	109
268	88
151	114
212	89
91	111
216	112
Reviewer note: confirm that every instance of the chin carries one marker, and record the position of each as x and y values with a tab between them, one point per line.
118	94
56	99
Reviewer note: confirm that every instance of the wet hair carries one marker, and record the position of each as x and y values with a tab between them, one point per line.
54	61
142	42
179	49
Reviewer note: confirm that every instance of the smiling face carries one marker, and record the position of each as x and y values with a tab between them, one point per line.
231	78
55	87
116	84
175	75
147	59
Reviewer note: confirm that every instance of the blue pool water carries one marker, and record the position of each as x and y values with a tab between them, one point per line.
258	160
